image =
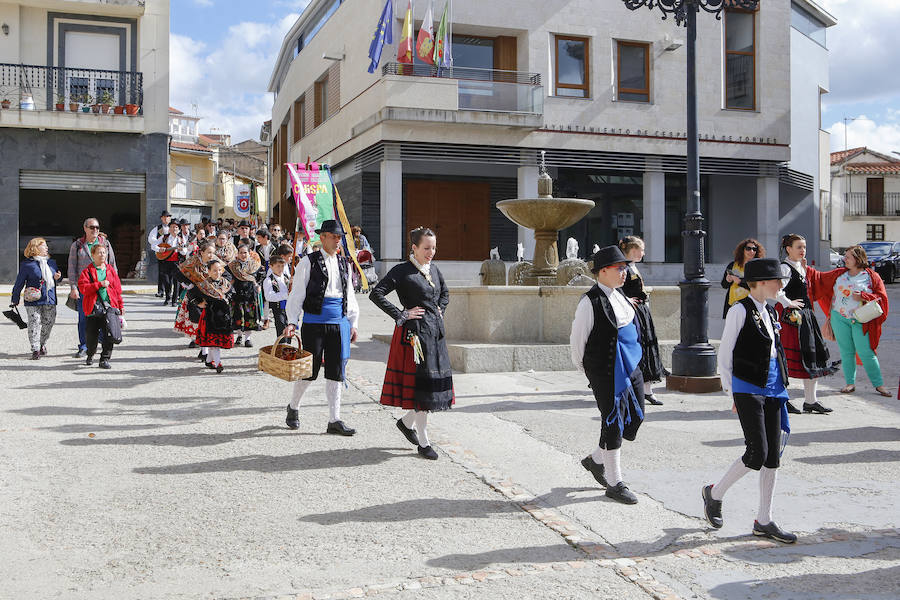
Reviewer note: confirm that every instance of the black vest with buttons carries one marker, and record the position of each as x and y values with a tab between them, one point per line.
796	288
753	347
318	282
600	349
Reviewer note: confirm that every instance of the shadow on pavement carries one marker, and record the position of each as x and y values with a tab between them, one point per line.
824	436
420	508
864	456
183	440
529	555
512	405
262	463
851	548
816	585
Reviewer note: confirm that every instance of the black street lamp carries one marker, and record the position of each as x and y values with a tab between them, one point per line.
694	356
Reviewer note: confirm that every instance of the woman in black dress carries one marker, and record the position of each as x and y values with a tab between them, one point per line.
418	376
651	364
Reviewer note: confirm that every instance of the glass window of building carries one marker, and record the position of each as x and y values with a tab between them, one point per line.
740	60
804	22
573	66
321	107
633	72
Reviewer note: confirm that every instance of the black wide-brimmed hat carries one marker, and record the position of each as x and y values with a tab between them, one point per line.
184	222
165	213
243	223
763	269
331	226
607	256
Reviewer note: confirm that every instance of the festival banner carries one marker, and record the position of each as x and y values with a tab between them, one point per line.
425	42
242	203
405	48
312	190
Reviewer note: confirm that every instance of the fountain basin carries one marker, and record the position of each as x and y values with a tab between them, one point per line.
545	214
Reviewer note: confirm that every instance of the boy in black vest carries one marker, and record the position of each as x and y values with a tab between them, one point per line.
322	299
605	344
753	368
276	290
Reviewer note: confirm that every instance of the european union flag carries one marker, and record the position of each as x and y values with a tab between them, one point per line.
384	33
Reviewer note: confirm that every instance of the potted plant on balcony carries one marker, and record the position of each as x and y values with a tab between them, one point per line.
60	103
86	101
73	103
119	109
132	109
106	98
4	103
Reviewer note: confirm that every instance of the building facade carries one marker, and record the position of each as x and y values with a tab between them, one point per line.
865	197
85	131
601	89
192	169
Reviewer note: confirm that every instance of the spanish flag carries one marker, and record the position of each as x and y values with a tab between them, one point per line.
425	42
405	50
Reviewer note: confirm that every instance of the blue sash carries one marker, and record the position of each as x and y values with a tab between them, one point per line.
333	314
775	388
628	356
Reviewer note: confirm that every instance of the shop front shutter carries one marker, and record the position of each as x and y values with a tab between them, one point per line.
123	183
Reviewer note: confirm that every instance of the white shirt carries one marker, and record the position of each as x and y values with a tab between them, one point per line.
734	322
782	298
584	321
332	290
153	239
269	288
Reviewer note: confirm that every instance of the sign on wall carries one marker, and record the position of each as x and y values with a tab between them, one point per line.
242	204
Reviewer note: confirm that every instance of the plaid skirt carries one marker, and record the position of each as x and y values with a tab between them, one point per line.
400	383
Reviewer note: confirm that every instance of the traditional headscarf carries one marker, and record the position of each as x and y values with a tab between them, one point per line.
245	271
227	252
194	269
214	288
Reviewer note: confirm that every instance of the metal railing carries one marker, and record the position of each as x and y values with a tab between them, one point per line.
47	86
483	89
856	204
192	191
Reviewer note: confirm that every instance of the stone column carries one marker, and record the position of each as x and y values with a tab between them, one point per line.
527	188
767	218
392	210
655	216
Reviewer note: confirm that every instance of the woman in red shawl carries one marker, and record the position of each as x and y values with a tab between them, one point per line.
840	293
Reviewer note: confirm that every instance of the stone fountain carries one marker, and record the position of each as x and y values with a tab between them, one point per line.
546	216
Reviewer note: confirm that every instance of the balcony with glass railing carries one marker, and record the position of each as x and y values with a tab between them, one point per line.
70	98
862	204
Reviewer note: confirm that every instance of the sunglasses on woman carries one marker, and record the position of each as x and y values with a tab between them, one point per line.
751	248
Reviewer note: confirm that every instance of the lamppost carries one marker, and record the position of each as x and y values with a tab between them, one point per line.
694	357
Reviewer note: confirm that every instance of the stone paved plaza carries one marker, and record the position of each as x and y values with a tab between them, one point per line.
161	479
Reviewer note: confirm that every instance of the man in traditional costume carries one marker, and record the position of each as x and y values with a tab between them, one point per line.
605	344
154	237
322	299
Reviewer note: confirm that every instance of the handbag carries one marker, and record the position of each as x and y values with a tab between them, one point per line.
113	325
33	294
100	307
868	312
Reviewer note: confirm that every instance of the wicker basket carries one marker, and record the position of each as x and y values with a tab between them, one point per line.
286	362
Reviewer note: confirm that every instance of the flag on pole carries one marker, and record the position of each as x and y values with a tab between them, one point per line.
383	33
313	193
405	49
425	42
442	48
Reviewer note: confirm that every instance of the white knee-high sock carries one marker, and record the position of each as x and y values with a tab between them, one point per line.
299	389
333	395
205	351
215	355
421	424
247	334
612	466
737	470
597	455
767	479
809	391
409	418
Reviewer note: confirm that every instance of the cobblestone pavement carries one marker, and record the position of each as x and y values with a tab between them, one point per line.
161	479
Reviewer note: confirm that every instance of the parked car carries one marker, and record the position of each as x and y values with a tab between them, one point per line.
884	257
836	260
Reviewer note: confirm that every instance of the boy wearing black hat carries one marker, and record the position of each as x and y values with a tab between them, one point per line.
753	368
322	299
605	344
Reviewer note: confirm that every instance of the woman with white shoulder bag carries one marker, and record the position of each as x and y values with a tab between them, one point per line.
36	285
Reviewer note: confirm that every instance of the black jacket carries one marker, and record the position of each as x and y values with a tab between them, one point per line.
217	314
600	350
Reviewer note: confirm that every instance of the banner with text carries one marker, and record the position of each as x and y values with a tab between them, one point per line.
314	196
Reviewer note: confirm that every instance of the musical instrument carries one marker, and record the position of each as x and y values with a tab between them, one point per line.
165	251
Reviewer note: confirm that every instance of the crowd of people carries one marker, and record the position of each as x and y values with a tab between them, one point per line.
231	280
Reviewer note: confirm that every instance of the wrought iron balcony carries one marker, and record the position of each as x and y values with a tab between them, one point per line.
46	87
483	89
861	204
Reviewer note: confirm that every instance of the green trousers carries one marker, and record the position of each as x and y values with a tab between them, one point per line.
852	342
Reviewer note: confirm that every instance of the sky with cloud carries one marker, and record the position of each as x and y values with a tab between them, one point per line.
222	54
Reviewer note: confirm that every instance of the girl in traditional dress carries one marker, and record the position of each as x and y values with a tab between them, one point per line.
804	347
418	376
210	307
247	274
651	364
190	272
225	250
732	279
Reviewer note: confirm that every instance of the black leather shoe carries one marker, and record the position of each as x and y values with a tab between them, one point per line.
411	436
652	400
104	364
193	344
774	532
210	365
793	409
238	340
35	355
89	361
248	343
201	356
817	408
292	420
621	493
80	354
428	452
159	295
596	470
712	508
219	368
338	428
166	302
